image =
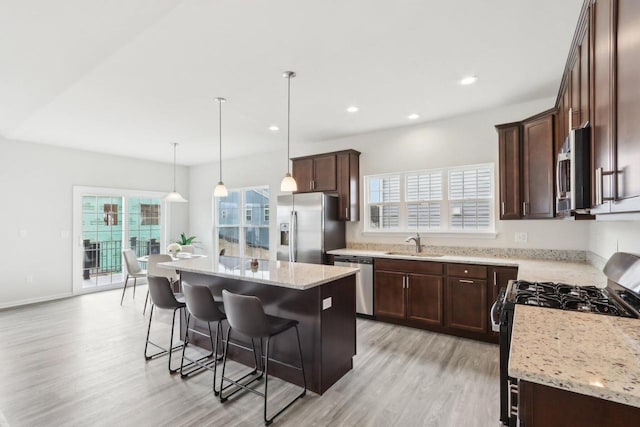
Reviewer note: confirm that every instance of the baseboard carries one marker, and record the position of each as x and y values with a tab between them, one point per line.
29	301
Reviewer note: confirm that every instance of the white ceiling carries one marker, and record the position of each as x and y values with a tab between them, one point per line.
129	77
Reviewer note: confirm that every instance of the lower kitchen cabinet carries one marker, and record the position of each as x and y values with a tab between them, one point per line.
467	304
540	405
447	298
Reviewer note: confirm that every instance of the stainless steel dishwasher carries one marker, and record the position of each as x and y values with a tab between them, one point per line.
364	280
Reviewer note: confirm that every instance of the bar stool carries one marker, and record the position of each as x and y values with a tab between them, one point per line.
246	316
203	307
154	270
133	271
162	297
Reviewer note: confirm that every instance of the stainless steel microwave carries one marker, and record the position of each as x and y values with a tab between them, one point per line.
573	178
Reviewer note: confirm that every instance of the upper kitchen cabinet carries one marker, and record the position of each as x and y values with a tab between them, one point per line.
537	167
509	167
337	173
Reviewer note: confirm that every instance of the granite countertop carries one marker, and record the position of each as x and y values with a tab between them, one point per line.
576	273
297	275
586	353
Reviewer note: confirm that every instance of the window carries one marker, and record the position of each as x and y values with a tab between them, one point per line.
243	235
456	199
149	214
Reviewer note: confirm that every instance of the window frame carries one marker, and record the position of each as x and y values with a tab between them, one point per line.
446	217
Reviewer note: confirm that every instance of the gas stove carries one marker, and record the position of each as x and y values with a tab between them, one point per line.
565	297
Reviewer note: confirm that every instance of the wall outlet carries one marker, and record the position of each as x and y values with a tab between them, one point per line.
521	237
327	303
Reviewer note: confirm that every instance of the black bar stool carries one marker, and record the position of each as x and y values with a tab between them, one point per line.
202	306
246	316
162	297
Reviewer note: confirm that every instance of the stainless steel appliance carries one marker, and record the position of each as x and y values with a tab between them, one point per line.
621	297
308	227
573	178
364	281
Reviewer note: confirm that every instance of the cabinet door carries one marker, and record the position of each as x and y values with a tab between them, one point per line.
467	304
601	93
627	153
499	278
302	171
324	173
389	294
424	298
574	89
585	112
509	169
538	168
348	178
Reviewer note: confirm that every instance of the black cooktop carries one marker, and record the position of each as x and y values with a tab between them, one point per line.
566	297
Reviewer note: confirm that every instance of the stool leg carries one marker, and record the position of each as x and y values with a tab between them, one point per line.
215	355
135	280
184	347
146	344
224	363
124	289
146	300
266	382
173	322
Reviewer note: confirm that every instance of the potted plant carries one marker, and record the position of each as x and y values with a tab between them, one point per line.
186	243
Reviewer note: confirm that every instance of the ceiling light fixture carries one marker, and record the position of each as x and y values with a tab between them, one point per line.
352	109
174	196
413	116
220	190
288	183
274	128
469	80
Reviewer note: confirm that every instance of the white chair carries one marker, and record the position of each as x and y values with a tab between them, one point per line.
133	270
156	271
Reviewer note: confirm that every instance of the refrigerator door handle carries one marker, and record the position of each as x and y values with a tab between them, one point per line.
293	237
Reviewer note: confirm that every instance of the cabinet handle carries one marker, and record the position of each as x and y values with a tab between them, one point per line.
524	208
346	212
502	208
600	174
407	281
311	185
466	281
495	278
466	272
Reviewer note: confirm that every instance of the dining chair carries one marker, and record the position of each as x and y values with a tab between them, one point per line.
154	270
133	271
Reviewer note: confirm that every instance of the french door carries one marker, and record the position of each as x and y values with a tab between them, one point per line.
108	221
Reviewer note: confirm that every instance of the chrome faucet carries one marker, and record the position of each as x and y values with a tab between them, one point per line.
416	239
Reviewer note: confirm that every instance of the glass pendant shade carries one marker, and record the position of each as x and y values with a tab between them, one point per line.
220	190
174	196
288	184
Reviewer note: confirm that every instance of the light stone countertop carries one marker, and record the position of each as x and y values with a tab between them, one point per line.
586	353
300	276
575	273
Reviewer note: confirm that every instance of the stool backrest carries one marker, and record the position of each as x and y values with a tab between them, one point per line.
161	294
154	270
245	314
131	262
200	303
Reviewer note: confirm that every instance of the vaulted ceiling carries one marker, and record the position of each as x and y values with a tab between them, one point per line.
129	77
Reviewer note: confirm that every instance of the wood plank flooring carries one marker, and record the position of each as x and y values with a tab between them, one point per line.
79	362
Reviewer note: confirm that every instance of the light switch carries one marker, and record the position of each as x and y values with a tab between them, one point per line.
327	303
64	234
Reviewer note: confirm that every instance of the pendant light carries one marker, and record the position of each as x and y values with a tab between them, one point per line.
288	183
174	196
221	190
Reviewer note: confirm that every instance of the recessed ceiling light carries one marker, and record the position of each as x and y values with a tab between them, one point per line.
414	116
352	109
274	128
469	80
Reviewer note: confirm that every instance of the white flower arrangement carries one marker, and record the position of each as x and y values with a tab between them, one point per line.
174	248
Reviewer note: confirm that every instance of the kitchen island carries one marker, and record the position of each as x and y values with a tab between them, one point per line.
320	297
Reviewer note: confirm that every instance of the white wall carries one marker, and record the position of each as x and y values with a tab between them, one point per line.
37	183
607	237
462	140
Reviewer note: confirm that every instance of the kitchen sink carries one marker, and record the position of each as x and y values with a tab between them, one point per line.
414	254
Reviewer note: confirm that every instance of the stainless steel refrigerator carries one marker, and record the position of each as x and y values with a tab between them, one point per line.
308	227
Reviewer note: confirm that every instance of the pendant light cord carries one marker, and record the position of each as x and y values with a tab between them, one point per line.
175	144
220	118
288	122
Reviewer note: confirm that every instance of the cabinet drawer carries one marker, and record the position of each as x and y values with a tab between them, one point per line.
406	266
466	270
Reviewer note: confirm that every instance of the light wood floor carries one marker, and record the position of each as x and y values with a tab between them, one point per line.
80	362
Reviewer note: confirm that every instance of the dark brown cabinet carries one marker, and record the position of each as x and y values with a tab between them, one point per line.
466	298
336	173
317	173
540	405
402	292
509	166
348	176
538	167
